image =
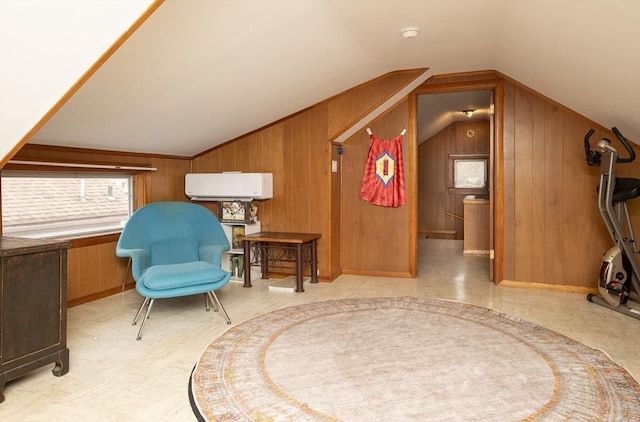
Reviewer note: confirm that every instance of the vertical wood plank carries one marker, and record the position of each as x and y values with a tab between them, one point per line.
555	210
539	176
508	183
524	185
275	207
336	215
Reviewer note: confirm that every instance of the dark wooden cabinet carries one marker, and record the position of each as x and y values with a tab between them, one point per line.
33	307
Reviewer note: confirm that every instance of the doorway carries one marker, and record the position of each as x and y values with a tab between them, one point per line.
454	139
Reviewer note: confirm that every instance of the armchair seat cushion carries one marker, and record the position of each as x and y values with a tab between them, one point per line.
172	276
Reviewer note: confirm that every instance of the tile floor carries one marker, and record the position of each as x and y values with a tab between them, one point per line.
113	377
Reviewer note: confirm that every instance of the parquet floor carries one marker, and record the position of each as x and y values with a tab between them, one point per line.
113	377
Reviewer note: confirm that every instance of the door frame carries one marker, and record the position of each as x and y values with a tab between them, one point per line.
496	167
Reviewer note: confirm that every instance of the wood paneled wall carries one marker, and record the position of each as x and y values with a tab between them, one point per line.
347	108
547	225
307	195
94	271
435	175
553	232
297	153
375	239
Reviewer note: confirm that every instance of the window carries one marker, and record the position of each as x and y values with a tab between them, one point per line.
41	206
470	173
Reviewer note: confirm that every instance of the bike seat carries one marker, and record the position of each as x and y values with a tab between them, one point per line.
625	189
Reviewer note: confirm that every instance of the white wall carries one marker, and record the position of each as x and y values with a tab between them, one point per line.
45	47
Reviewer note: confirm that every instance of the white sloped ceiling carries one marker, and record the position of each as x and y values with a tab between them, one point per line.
199	73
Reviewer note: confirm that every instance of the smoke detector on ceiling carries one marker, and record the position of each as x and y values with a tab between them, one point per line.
411	32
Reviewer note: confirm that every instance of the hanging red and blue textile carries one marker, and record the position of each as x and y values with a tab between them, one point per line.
383	180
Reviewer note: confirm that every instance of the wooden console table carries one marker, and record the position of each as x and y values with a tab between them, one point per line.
476	226
33	307
301	248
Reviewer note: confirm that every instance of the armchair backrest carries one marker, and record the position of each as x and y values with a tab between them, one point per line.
172	232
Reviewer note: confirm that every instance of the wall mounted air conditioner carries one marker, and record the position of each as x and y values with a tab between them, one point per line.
228	186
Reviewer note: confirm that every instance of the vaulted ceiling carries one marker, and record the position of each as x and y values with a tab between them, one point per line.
198	73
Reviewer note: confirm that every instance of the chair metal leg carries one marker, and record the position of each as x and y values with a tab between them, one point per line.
213	303
146	316
215	300
126	273
209	297
206	301
144	303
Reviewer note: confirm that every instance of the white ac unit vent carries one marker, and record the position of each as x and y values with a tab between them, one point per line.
228	186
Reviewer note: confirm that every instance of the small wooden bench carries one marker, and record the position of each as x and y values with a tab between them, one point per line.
301	248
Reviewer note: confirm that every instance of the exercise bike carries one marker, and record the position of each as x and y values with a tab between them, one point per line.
618	282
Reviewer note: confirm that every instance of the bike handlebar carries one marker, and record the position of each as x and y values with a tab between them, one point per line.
594	157
627	146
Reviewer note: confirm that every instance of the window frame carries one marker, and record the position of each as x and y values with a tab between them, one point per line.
452	190
485	167
82	238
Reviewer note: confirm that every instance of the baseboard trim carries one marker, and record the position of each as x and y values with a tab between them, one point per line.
553	287
90	298
389	274
335	275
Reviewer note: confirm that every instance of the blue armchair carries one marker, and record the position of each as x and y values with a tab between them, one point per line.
175	250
